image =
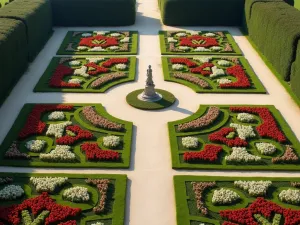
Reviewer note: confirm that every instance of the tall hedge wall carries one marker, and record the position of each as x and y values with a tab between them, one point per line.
93	12
37	17
13	54
295	75
202	12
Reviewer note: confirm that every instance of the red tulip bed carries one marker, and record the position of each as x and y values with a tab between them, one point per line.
220	74
86	74
42	199
234	137
65	135
260	202
198	42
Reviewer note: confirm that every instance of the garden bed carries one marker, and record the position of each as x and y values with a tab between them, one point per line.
197	43
99	43
218	74
67	135
234	137
237	200
63	199
86	74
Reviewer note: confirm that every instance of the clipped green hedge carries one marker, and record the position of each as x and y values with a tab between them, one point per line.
37	17
4	2
13	54
295	75
202	12
93	12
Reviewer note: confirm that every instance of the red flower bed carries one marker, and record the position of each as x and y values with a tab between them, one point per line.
99	41
269	127
97	69
71	222
80	135
34	125
209	153
56	79
113	61
93	152
263	207
12	214
220	136
200	69
242	80
184	61
198	41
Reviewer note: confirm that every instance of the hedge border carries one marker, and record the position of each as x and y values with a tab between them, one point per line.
176	164
21	119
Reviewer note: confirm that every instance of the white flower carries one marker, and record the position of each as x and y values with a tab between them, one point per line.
56	115
86	35
101	32
215	48
121	66
111	141
98	223
75	81
76	194
172	40
75	63
115	34
82	71
97	49
95	60
240	154
201	49
209	35
113	47
193	32
35	145
245	117
181	34
183	47
57	130
47	184
216	72
61	153
224	81
224	196
291	196
11	192
254	188
265	148
203	59
243	131
190	142
125	40
224	63
82	48
177	67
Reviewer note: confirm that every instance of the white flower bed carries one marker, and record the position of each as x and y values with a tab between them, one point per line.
190	142
121	66
47	184
209	35
101	32
243	131
57	130
115	34
254	188
82	71
125	40
56	115
61	153
75	81
172	40
216	72
113	47
215	48
35	145
224	81
203	59
201	49
265	148
183	48
75	63
76	194
82	48
240	154
98	223
95	60
291	196
177	67
181	34
245	117
111	141
224	63
86	35
97	49
193	32
11	192
224	196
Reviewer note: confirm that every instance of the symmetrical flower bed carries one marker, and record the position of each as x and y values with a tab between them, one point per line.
234	137
70	200
212	74
197	42
99	43
237	200
86	136
85	74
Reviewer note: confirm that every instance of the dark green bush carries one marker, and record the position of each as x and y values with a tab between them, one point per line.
37	17
93	12
295	75
13	54
202	12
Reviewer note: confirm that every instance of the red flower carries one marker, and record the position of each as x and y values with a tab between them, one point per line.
242	80
184	61
56	79
198	41
220	136
93	152
99	41
80	135
97	69
210	154
200	69
113	61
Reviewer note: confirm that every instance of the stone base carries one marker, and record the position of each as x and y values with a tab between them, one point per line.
147	98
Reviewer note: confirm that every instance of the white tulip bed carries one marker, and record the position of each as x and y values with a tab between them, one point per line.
61	153
291	196
266	148
35	145
254	188
111	141
56	115
47	184
190	142
11	192
240	154
224	196
76	194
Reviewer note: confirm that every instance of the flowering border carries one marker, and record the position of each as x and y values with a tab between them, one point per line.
233	136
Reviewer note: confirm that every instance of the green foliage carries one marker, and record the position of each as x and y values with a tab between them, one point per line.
93	12
4	2
36	15
295	75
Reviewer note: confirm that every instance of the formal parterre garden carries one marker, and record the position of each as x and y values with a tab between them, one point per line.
67	135
62	199
99	43
237	200
212	74
234	137
86	74
197	42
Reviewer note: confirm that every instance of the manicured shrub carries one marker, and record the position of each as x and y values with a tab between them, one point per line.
295	73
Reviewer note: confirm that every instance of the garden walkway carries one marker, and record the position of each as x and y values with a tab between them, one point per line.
151	194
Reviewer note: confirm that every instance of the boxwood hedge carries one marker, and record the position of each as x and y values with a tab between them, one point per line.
295	75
